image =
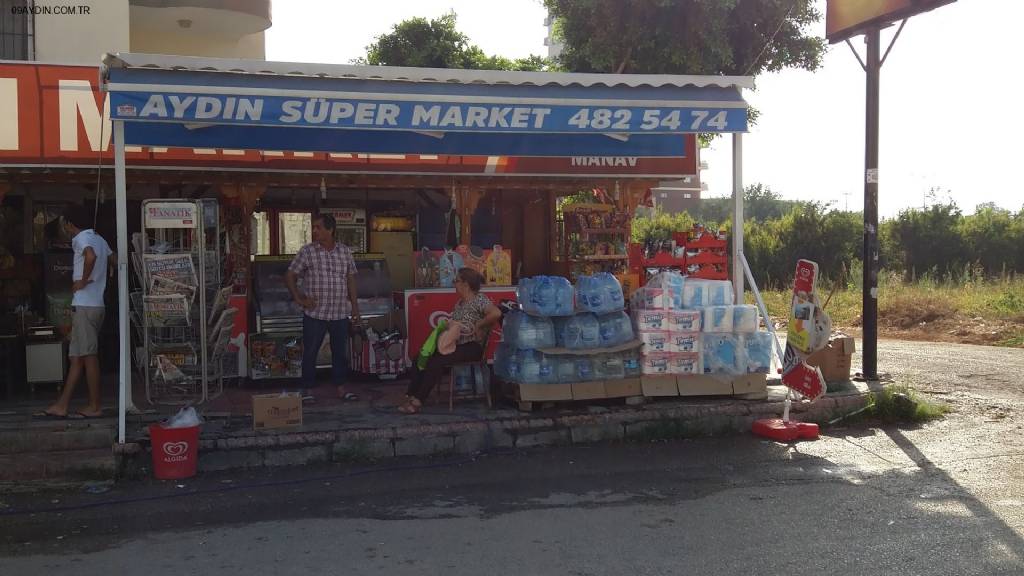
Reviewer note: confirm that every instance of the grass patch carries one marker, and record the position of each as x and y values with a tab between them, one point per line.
975	311
1013	341
902	404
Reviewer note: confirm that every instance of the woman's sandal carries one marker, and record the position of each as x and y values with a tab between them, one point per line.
408	408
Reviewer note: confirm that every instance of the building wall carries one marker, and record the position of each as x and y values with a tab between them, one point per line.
109	27
170	41
83	38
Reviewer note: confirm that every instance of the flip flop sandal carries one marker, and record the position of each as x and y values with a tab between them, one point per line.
408	409
83	416
48	416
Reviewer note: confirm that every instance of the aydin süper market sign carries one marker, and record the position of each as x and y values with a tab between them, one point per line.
422	116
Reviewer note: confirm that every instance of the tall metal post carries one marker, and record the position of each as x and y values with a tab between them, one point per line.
870	296
737	216
124	329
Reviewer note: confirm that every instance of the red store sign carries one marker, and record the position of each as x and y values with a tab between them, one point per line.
56	116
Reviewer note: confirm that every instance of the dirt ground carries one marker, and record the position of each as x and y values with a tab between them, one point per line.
929	325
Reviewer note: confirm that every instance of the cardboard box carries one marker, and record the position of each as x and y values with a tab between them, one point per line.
834	360
705	385
623	388
660	385
271	411
588	390
750	384
545	392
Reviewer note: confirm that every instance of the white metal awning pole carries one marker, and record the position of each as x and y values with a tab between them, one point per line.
121	196
737	215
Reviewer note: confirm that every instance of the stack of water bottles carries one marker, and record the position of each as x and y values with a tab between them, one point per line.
692	326
585	322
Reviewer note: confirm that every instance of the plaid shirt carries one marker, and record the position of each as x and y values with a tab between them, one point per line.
324	275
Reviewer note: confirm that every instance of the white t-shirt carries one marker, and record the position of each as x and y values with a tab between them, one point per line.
92	294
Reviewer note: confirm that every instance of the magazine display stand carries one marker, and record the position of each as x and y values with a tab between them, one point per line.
180	308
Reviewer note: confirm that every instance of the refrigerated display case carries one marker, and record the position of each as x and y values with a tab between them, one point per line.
350	228
276	346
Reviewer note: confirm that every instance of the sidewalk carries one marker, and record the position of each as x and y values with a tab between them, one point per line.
371	429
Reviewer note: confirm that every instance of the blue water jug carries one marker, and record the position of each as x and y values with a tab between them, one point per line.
615	328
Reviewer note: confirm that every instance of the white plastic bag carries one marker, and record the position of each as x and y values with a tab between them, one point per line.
187	417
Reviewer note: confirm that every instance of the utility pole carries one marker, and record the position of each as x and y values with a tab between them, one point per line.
846	196
872	66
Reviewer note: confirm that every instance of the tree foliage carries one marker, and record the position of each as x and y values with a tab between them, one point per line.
438	43
731	37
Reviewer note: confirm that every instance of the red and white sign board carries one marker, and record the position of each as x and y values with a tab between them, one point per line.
425	307
170	215
56	116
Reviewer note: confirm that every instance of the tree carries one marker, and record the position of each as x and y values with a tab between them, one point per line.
731	37
438	43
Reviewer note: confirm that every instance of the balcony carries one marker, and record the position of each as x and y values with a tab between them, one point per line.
223	18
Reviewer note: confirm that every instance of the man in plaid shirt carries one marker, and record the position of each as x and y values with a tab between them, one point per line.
328	298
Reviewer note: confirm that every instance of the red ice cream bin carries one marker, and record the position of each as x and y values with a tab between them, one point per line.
175	451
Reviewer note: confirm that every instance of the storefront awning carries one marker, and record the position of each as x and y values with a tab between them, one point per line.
201	102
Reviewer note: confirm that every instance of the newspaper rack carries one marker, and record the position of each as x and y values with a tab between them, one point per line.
178	308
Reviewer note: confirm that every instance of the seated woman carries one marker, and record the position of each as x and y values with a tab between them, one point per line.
477	315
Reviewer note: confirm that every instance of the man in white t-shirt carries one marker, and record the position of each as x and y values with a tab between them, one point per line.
92	258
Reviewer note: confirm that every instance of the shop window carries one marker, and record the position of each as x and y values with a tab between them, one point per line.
260	234
17	30
296	230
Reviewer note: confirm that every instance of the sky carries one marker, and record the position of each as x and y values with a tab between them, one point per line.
949	93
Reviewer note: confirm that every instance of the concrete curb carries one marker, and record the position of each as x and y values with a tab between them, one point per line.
660	419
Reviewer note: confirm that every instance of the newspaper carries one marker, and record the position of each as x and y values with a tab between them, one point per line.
162	286
176	267
179	354
168	370
220	334
220	300
164	311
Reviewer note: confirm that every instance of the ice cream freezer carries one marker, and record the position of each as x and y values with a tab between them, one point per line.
423	308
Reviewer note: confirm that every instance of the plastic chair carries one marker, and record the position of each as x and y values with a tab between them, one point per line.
482	363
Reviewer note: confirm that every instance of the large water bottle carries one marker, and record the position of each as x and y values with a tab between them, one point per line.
565	369
609	367
613	292
463	379
543	295
548	368
529	367
527	332
506	362
578	332
631	363
584	368
615	328
524	295
564	296
584	291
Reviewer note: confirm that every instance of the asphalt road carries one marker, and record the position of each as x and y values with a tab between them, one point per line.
946	498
